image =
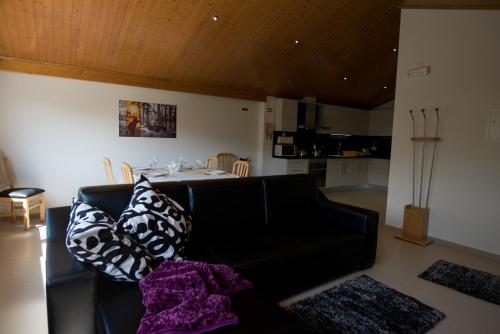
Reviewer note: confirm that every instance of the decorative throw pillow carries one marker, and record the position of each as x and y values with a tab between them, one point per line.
91	238
155	221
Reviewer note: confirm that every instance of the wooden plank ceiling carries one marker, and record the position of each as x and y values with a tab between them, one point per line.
249	52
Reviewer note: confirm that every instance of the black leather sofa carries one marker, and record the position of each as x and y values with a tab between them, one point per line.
280	232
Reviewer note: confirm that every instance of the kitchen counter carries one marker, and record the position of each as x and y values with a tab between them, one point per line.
323	157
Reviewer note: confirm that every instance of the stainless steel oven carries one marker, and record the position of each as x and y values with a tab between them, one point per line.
317	168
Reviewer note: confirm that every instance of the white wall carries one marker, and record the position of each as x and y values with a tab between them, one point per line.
463	49
56	130
380	125
381	120
270	165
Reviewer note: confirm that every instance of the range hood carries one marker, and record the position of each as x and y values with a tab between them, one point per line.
307	116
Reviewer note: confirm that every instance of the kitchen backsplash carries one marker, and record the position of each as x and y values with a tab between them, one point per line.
330	144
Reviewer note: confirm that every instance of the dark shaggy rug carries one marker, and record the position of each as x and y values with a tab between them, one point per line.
363	305
470	281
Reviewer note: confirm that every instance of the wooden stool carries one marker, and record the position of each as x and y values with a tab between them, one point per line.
25	197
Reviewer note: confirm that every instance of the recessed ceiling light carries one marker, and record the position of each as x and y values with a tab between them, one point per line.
385	87
296	41
215	18
345	78
394	50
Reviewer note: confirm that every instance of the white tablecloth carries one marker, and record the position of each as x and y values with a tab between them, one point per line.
162	175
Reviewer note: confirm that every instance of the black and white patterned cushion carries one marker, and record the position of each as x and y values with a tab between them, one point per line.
91	238
155	221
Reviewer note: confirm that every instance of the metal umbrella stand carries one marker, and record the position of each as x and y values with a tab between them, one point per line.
416	218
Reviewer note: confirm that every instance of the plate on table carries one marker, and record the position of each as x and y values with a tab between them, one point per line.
141	169
156	174
213	172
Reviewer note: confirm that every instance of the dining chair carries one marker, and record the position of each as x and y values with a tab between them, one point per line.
108	170
241	168
225	161
20	198
127	173
212	162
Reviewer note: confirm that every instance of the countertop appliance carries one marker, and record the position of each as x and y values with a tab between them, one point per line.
285	150
284	140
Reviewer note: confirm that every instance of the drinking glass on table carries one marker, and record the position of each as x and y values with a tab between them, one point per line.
153	162
197	164
182	160
174	167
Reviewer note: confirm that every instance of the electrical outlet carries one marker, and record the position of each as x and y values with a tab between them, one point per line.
494	124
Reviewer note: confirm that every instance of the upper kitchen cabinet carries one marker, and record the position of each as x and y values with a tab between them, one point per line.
286	113
334	119
292	115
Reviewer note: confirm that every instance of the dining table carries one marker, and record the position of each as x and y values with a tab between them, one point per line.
163	174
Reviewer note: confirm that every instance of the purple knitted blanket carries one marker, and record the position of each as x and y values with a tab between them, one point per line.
189	297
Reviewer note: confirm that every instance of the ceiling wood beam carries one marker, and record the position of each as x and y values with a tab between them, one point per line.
452	7
452	4
72	72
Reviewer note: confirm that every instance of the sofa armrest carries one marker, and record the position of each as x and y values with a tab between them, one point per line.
354	220
71	286
57	220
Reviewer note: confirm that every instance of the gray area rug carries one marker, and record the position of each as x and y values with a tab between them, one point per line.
364	305
470	281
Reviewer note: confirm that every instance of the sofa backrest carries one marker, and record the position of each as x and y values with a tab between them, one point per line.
291	200
113	199
227	206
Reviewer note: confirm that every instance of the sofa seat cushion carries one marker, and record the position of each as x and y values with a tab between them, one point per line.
119	307
262	259
324	243
241	251
255	312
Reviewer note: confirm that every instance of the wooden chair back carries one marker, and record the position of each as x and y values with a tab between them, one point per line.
212	162
225	161
108	170
127	173
5	176
241	168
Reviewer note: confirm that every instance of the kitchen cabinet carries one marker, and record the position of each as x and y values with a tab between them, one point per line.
334	119
378	172
299	166
346	172
285	118
278	166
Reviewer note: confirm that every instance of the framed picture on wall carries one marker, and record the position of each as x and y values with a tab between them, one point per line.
142	119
